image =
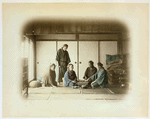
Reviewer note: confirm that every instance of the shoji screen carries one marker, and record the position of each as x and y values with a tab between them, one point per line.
31	59
45	55
88	50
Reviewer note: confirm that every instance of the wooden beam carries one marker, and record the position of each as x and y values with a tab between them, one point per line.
98	36
74	40
57	36
100	32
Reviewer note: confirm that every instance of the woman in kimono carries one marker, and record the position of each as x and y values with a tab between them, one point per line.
63	60
70	78
90	70
49	77
99	79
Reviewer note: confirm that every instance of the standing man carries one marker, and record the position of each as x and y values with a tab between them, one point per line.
63	60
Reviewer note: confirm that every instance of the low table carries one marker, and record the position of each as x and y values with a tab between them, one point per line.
82	82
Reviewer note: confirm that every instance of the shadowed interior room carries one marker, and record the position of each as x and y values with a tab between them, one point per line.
97	40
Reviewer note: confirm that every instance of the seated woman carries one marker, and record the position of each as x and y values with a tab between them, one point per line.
70	78
49	77
90	70
99	79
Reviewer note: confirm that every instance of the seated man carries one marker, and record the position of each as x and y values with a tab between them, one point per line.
49	77
70	78
90	70
99	79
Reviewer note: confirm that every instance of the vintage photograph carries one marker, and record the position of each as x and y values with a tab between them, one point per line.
77	56
75	59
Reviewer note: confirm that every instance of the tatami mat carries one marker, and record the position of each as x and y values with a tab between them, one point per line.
69	90
57	93
65	90
96	91
119	90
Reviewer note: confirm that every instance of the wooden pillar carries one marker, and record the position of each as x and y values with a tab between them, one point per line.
98	51
77	39
35	57
119	44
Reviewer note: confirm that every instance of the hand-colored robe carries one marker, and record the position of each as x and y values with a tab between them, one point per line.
89	72
49	78
67	79
63	60
100	78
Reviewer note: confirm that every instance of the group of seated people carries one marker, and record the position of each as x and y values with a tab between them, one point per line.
95	77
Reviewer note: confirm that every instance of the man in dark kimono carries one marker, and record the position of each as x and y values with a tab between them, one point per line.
90	70
63	60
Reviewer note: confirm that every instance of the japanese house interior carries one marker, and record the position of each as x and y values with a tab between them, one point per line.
87	40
